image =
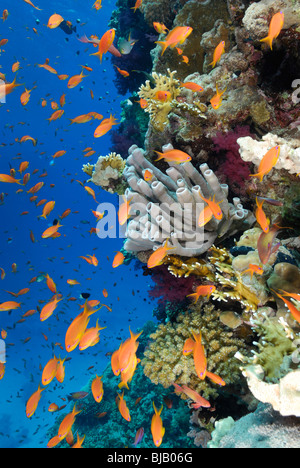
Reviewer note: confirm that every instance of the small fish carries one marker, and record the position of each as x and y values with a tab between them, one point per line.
293	310
218	52
54	21
97	389
216	101
105	43
205	291
267	163
160	27
105	126
157	257
157	429
178	35
192	86
33	402
275	28
122	406
139	436
176	156
258	270
261	218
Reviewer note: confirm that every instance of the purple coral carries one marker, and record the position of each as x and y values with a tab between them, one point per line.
168	288
233	170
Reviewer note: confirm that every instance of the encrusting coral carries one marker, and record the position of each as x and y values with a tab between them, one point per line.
164	362
169	206
253	151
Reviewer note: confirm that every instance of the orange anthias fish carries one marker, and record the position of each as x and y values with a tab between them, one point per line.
214	206
127	349
123	407
92	260
157	429
127	375
47	209
178	35
199	356
105	126
90	337
192	86
51	231
258	270
9	305
275	27
293	310
159	27
124	211
105	43
67	423
33	402
172	155
216	101
199	401
54	21
9	179
97	5
118	260
30	3
7	88
219	51
75	80
267	163
122	72
163	96
156	258
49	371
137	5
261	218
202	290
49	308
97	389
77	328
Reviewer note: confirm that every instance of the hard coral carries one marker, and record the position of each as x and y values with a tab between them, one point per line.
164	362
107	172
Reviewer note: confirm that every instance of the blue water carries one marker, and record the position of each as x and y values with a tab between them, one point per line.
127	288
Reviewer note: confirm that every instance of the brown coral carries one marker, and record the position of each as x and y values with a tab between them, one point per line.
164	362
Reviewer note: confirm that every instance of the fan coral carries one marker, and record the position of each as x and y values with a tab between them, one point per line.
165	364
107	173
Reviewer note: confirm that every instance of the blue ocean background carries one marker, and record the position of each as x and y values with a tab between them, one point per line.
126	286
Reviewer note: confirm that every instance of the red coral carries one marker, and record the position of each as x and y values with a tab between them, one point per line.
233	171
168	288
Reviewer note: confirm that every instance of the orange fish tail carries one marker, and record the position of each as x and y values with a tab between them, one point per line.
163	44
268	40
260	175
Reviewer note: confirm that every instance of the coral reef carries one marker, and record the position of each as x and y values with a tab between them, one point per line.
165	364
263	428
107	173
169	207
284	396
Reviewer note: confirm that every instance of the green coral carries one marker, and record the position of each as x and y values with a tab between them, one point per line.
274	349
164	362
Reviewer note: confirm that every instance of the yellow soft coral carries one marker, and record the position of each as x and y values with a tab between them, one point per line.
107	172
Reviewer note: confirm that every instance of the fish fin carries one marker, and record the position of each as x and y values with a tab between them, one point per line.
163	45
268	40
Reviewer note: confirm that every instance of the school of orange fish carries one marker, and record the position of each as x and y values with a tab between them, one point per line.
124	359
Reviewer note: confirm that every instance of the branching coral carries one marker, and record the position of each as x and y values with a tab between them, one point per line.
107	173
164	362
